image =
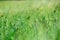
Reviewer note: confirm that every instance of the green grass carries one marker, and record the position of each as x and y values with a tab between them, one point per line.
29	20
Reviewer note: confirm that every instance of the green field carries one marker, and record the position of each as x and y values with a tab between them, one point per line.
30	20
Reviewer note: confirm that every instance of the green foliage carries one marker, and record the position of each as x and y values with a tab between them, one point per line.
29	20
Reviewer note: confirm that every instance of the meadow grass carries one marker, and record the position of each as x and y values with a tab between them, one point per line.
25	20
